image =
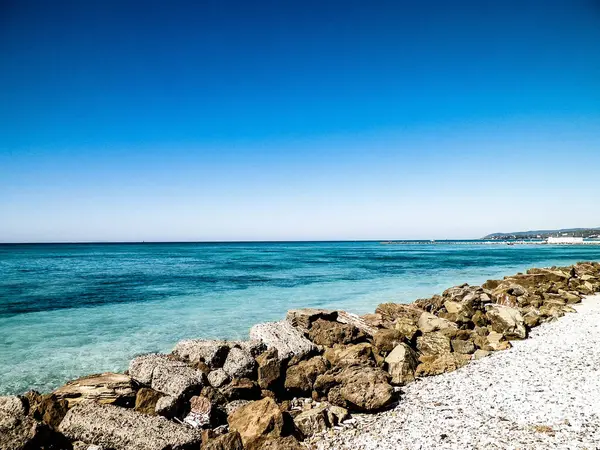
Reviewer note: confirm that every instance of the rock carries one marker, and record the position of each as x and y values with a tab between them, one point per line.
235	405
17	431
228	441
261	418
386	340
507	321
279	443
109	388
253	346
146	399
570	297
167	406
496	342
356	321
365	388
461	312
439	364
167	376
435	343
407	327
479	319
48	408
319	419
346	355
218	378
401	364
392	313
211	352
299	379
532	318
287	340
269	369
327	333
124	429
465	347
429	323
241	389
201	412
304	318
239	363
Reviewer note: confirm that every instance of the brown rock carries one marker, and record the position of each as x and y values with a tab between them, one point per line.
228	441
327	333
258	419
441	364
365	388
241	389
435	343
304	318
391	312
386	340
269	369
46	408
429	323
299	379
107	388
401	364
466	347
345	355
146	399
279	443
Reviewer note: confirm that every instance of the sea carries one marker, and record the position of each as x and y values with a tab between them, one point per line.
68	310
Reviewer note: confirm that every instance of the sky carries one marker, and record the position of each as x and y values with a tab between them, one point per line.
297	120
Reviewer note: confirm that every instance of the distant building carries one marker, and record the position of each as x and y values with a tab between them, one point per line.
565	240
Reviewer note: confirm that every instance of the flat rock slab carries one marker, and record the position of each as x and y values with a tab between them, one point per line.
115	388
289	342
542	394
124	429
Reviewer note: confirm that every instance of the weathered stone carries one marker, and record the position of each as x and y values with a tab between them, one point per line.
435	343
507	321
532	318
461	311
228	441
407	327
496	342
211	352
570	297
167	406
327	333
393	312
401	364
437	365
269	369
466	347
48	408
386	340
319	419
146	399
261	418
17	431
124	429
429	323
278	443
345	355
239	363
356	321
300	378
109	388
365	388
479	319
168	376
218	378
233	406
252	346
304	318
241	389
479	354
287	340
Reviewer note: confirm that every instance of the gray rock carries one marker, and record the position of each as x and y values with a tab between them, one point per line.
357	321
304	318
124	429
218	378
167	406
239	363
16	429
287	340
253	346
211	352
235	405
174	378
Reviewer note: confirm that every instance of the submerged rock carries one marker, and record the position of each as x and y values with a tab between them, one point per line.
124	429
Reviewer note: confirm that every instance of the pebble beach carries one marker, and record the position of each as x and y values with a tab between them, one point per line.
543	393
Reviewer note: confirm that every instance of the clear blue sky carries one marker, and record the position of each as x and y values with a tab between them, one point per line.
235	120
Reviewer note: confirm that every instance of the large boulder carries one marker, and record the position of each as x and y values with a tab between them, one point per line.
124	429
429	323
47	408
401	364
327	333
300	378
289	342
304	318
356	321
439	364
392	313
507	321
364	388
109	388
346	355
17	430
385	340
256	420
211	352
436	343
146	400
270	369
239	363
163	374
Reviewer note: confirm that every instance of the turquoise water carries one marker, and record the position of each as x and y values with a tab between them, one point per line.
68	310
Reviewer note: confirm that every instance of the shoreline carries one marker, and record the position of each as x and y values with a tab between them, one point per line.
230	394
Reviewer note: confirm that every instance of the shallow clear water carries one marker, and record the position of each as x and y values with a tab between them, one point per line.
68	310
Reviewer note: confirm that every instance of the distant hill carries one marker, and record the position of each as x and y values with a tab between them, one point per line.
544	234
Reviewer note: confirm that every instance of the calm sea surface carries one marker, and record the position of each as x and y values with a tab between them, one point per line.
68	310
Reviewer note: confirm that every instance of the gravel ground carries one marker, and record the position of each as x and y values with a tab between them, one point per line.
544	393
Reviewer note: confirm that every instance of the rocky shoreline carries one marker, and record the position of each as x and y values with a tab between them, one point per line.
293	379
